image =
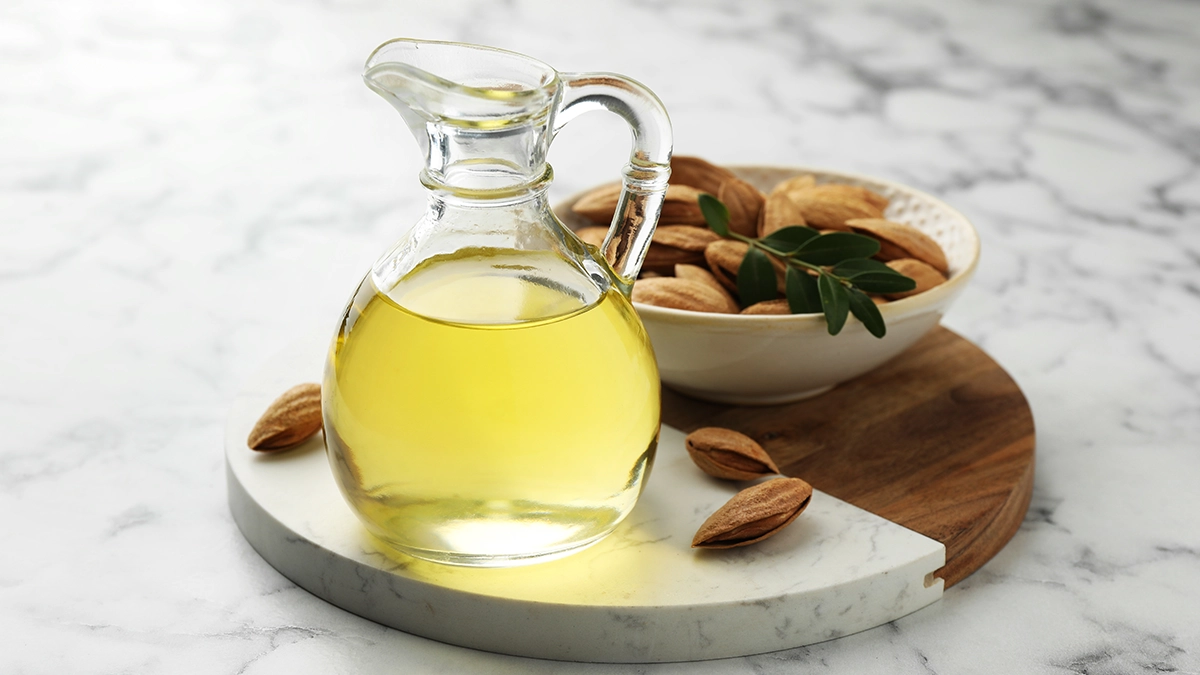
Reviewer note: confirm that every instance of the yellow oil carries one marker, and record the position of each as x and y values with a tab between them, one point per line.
492	408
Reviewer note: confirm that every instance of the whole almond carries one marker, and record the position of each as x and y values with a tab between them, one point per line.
925	275
698	173
724	257
592	235
776	306
800	182
898	240
679	294
663	259
291	418
686	237
600	204
744	202
702	276
830	210
681	206
779	212
725	453
754	514
843	191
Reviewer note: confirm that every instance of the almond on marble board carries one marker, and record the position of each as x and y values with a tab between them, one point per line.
924	274
728	454
291	418
754	514
744	202
698	173
897	240
703	276
679	294
776	306
686	237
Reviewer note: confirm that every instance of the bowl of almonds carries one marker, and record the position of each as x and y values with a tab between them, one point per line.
765	285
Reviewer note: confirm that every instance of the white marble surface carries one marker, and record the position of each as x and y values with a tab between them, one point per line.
640	595
172	173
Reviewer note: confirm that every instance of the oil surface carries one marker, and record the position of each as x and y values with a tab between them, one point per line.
492	408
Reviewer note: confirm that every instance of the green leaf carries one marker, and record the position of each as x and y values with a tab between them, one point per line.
835	247
802	293
715	214
835	301
847	269
756	278
883	282
789	239
866	312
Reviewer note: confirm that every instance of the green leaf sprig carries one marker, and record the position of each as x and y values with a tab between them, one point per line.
830	273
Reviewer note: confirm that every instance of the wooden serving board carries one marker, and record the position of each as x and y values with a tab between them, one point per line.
939	440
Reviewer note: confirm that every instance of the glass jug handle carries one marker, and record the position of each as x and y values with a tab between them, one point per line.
649	163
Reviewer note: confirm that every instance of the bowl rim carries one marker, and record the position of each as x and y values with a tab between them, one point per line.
894	310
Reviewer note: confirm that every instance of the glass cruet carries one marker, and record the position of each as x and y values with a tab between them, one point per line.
491	398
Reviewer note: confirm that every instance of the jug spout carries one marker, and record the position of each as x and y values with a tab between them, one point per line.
482	116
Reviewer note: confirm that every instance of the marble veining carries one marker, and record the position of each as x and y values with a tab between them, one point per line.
187	186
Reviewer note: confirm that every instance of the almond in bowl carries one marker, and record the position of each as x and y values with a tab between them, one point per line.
712	345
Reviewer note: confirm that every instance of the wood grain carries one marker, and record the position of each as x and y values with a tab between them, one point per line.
939	440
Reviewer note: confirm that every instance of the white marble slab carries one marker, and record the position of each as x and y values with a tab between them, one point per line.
640	595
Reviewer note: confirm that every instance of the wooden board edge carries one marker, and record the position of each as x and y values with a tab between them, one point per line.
991	539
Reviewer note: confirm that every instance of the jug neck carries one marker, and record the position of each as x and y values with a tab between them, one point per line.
508	161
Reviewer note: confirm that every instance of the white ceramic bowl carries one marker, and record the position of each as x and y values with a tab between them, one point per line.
764	360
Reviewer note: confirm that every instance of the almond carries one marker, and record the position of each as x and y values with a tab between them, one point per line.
725	453
679	294
779	212
744	202
600	204
592	235
754	514
925	275
680	205
686	237
776	306
843	191
703	276
898	240
830	210
663	259
697	173
724	257
800	182
291	418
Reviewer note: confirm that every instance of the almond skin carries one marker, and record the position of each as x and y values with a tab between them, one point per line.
592	235
698	173
898	240
680	294
680	205
800	182
600	204
686	237
291	418
724	257
829	210
702	276
663	259
725	453
843	191
776	306
779	212
754	514
744	202
924	274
